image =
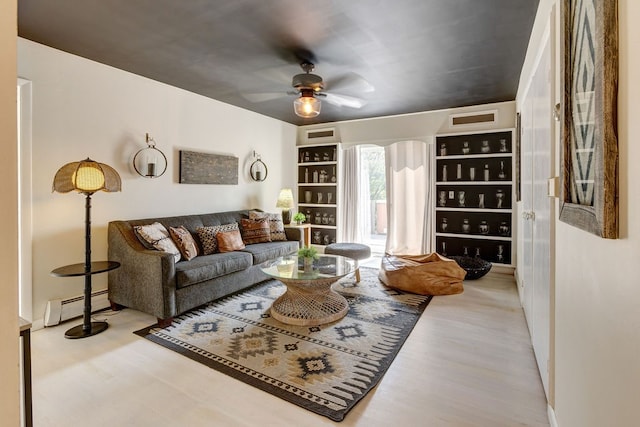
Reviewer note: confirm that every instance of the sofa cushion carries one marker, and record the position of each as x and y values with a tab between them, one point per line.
209	267
158	236
262	252
184	241
276	225
208	235
255	231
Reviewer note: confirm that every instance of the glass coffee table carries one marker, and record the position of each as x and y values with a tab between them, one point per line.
309	299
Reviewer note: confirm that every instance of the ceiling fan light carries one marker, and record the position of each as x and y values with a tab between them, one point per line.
307	106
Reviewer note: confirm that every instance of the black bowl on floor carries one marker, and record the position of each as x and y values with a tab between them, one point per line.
475	267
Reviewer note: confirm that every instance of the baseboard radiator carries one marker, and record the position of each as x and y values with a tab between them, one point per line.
59	310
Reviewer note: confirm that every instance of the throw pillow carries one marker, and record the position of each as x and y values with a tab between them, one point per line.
157	235
276	225
208	234
229	241
255	231
184	240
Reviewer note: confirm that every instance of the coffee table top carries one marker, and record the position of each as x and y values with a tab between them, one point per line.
290	267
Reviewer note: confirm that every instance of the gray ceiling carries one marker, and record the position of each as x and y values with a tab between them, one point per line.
419	55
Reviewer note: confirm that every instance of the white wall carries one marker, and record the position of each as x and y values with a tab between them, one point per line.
597	315
85	109
417	126
9	350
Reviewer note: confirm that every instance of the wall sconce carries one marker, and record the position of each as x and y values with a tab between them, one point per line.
258	169
150	162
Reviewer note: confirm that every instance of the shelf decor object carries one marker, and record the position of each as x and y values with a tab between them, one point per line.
474	188
86	177
258	169
150	162
285	201
589	154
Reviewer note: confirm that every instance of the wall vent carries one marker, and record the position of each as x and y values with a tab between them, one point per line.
321	135
465	119
59	310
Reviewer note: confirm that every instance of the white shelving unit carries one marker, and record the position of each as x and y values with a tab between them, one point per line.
474	188
318	190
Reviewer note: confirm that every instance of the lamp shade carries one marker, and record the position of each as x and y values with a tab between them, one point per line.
86	176
285	199
307	105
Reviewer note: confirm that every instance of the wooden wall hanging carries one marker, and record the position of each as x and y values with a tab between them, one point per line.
205	168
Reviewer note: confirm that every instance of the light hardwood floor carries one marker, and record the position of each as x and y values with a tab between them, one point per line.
468	362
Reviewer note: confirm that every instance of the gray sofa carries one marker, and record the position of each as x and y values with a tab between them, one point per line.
152	282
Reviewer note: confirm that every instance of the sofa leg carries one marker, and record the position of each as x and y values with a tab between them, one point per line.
163	323
116	306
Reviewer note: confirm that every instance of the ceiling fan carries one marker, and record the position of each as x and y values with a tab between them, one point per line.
310	89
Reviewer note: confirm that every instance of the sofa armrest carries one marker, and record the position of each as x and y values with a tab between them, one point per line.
295	234
145	280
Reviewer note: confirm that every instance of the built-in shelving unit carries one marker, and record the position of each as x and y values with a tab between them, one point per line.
474	195
318	195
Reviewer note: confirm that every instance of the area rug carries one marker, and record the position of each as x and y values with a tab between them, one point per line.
326	369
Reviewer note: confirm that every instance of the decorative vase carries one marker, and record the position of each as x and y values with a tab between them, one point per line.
308	265
485	147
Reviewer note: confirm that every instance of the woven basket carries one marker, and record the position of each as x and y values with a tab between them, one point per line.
475	267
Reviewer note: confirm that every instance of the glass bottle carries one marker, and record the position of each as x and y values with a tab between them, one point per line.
503	145
486	172
444	172
499	198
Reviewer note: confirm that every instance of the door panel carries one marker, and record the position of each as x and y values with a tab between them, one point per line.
536	208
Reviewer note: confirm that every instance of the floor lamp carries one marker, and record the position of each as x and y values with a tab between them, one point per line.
86	177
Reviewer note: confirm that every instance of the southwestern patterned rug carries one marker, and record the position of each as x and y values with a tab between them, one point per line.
326	369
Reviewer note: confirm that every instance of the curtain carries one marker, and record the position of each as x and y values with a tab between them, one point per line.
409	198
353	218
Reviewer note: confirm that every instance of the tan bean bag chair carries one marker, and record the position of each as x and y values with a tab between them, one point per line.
430	274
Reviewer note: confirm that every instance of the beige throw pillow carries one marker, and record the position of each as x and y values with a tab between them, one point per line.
157	236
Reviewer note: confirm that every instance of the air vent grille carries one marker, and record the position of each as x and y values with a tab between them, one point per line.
466	119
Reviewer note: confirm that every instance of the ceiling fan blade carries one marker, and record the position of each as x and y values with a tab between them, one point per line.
263	96
343	100
352	82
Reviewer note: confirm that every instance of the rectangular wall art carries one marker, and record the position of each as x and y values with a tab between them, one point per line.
205	168
589	154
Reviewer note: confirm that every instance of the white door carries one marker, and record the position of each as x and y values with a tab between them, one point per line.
537	137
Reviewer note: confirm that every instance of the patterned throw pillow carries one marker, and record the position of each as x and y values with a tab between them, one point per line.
208	239
229	241
184	240
276	225
157	236
255	231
